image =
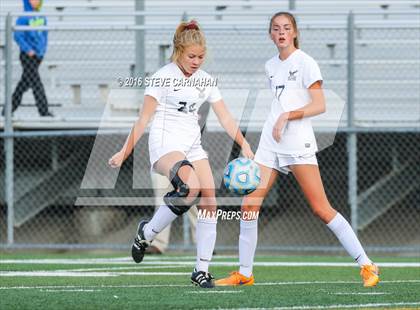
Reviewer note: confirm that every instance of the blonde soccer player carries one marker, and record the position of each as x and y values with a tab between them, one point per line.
173	97
287	144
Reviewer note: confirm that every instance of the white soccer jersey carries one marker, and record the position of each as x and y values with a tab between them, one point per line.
179	98
289	81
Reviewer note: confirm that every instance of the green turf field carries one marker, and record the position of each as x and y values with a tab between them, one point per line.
78	281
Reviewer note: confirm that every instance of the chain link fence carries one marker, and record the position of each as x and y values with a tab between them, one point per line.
65	196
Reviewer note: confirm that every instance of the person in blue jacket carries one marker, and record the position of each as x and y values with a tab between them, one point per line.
33	45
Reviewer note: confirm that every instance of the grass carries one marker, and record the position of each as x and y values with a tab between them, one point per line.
107	284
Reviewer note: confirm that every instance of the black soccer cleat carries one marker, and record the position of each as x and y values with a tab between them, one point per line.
202	279
140	244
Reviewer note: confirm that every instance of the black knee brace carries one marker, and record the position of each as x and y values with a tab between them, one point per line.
176	200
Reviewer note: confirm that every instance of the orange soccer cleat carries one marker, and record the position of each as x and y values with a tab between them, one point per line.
370	275
235	279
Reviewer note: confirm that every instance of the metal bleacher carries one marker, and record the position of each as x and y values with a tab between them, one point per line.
81	67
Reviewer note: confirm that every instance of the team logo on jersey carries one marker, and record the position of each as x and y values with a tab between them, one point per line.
292	75
201	90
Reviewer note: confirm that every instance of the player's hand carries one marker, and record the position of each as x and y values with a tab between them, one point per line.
116	160
280	126
247	151
31	53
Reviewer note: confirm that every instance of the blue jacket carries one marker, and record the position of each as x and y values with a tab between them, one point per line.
35	40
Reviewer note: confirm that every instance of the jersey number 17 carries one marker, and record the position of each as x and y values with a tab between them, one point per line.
279	91
190	109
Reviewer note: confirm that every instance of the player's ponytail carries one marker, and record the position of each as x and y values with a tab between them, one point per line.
187	34
292	21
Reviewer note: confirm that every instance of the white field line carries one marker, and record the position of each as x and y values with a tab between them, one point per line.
76	290
213	292
92	286
192	263
331	282
187	285
360	293
338	306
113	260
164	257
185	257
141	273
64	273
135	267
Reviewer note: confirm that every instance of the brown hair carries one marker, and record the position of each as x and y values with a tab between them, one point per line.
292	21
187	34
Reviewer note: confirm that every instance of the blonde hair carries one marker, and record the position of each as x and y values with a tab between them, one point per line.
292	21
187	34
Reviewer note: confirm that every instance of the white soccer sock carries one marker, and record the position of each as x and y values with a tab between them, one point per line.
247	245
162	218
206	239
345	234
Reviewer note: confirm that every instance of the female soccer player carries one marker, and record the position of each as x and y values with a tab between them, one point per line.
175	94
288	143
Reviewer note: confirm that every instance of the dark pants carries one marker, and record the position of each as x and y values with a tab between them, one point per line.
30	79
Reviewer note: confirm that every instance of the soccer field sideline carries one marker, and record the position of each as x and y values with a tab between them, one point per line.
153	263
188	285
111	271
164	262
336	306
284	283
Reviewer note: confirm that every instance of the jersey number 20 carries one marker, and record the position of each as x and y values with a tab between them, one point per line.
190	109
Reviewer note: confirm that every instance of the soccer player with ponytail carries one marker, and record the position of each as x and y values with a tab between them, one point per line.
287	144
175	144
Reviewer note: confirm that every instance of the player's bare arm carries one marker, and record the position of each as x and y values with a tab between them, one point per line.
313	108
146	113
230	125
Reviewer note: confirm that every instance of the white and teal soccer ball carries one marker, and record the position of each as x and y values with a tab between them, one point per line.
242	176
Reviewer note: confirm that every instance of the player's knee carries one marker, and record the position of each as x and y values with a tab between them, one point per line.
208	194
322	212
185	194
193	195
248	208
188	177
252	202
208	200
193	185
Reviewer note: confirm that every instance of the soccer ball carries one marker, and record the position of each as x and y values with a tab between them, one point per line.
242	176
